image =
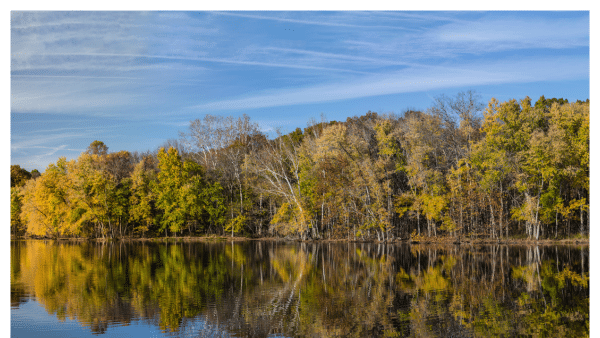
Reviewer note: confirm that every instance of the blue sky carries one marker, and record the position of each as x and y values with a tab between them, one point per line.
136	79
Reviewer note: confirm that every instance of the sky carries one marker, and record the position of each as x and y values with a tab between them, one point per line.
136	79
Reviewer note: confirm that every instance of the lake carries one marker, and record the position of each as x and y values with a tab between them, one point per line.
279	289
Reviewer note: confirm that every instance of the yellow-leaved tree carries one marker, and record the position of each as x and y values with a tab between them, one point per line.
47	204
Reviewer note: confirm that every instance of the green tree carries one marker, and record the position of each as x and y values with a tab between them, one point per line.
142	200
214	204
170	180
35	173
16	203
97	148
179	190
18	176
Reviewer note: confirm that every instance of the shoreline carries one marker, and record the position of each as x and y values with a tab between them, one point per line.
423	241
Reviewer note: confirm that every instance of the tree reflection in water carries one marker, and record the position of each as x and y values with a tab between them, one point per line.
259	288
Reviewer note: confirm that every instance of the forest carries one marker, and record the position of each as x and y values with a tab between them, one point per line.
458	169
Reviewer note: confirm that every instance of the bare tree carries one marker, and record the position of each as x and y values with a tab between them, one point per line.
277	163
221	144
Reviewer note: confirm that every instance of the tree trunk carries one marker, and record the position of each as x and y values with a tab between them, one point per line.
582	227
493	233
502	212
556	225
428	227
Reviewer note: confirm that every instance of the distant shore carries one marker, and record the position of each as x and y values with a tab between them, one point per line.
422	241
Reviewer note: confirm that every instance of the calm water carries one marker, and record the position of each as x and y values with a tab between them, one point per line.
260	289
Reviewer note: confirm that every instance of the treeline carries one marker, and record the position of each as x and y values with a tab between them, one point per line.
513	169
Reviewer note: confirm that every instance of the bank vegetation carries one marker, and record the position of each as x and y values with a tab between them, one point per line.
513	169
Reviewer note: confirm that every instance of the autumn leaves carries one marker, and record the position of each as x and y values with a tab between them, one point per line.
455	170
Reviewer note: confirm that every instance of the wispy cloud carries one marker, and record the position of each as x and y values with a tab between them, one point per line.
41	33
337	57
481	37
42	159
31	141
37	147
60	147
424	17
413	80
131	77
208	59
47	157
68	97
512	33
77	77
329	22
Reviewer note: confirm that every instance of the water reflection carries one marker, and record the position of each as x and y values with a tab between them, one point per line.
258	289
